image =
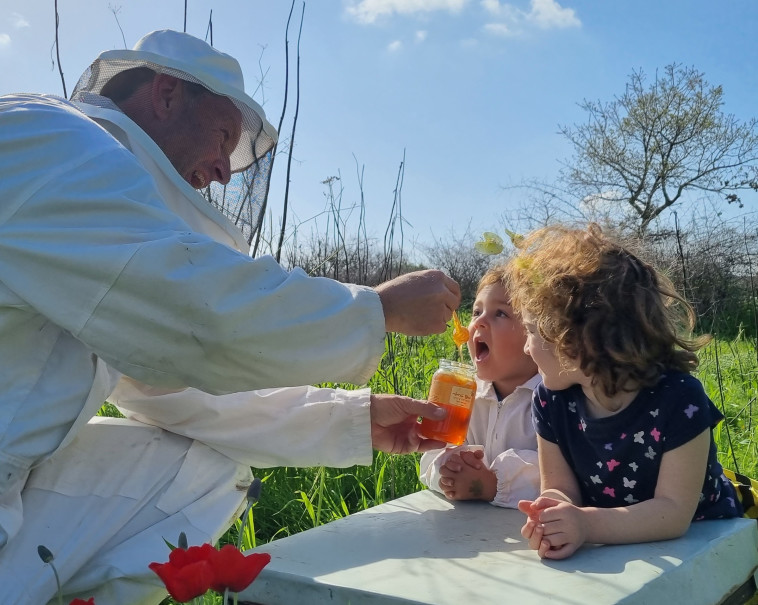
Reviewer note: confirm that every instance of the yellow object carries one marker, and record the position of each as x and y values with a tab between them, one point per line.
516	238
460	332
747	492
491	244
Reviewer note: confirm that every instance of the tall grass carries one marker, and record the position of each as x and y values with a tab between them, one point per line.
729	373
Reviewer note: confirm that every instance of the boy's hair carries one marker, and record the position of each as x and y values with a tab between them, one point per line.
602	307
496	275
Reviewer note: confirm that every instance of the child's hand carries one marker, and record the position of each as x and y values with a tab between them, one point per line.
554	528
472	458
533	530
464	477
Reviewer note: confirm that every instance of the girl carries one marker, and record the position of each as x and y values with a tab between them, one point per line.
498	462
625	443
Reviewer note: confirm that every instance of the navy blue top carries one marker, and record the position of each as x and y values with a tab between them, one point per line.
616	459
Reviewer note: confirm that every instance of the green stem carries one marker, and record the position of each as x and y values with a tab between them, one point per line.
242	528
320	499
58	584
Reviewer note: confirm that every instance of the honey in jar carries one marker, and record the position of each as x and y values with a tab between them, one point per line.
454	388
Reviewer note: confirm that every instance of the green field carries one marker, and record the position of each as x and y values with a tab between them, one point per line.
729	371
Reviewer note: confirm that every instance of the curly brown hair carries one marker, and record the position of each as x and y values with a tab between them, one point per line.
603	308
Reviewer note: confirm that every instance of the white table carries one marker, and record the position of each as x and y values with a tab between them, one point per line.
422	549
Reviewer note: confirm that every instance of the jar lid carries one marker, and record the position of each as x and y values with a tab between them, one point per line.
458	366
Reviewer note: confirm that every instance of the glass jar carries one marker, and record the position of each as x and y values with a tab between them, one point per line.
454	388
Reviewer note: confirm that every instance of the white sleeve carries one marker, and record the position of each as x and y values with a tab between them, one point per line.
518	477
87	241
429	468
296	426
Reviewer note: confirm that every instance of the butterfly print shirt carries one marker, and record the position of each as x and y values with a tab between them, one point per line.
616	459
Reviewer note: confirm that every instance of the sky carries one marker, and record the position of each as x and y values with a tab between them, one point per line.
470	92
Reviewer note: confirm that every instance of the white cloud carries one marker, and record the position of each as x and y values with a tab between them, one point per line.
421	35
18	21
5	40
368	11
499	29
548	14
503	11
544	14
394	46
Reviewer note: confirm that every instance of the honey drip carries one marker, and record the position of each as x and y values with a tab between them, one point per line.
460	335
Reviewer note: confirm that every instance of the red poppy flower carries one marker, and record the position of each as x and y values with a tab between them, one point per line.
235	571
188	573
90	601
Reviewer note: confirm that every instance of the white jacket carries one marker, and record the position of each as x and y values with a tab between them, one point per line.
505	432
111	264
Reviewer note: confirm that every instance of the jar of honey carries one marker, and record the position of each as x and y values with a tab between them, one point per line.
454	388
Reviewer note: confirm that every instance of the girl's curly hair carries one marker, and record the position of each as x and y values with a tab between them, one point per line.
602	307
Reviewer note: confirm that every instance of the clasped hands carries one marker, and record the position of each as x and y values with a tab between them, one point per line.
463	476
554	528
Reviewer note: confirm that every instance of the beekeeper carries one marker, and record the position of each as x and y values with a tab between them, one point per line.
120	282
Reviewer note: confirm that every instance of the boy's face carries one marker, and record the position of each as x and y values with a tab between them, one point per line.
496	341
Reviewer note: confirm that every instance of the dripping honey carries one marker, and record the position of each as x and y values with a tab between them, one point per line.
460	335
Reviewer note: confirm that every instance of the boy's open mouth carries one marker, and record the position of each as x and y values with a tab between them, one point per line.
481	350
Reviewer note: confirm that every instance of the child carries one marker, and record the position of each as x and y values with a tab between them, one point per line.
624	432
498	462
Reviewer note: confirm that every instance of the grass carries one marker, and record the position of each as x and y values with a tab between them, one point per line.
729	373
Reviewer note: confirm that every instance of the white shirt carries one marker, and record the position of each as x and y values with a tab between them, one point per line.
504	430
107	269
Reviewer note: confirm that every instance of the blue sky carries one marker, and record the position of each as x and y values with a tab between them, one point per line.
472	91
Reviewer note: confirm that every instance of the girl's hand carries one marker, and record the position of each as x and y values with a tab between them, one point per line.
554	528
532	530
563	527
534	533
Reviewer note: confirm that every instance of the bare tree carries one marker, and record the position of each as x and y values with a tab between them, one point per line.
644	150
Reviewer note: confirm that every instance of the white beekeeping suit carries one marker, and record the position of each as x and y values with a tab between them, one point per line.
97	231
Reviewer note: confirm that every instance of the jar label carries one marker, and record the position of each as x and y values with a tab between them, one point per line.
442	392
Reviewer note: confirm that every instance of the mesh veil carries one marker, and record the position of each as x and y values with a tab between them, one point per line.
242	199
